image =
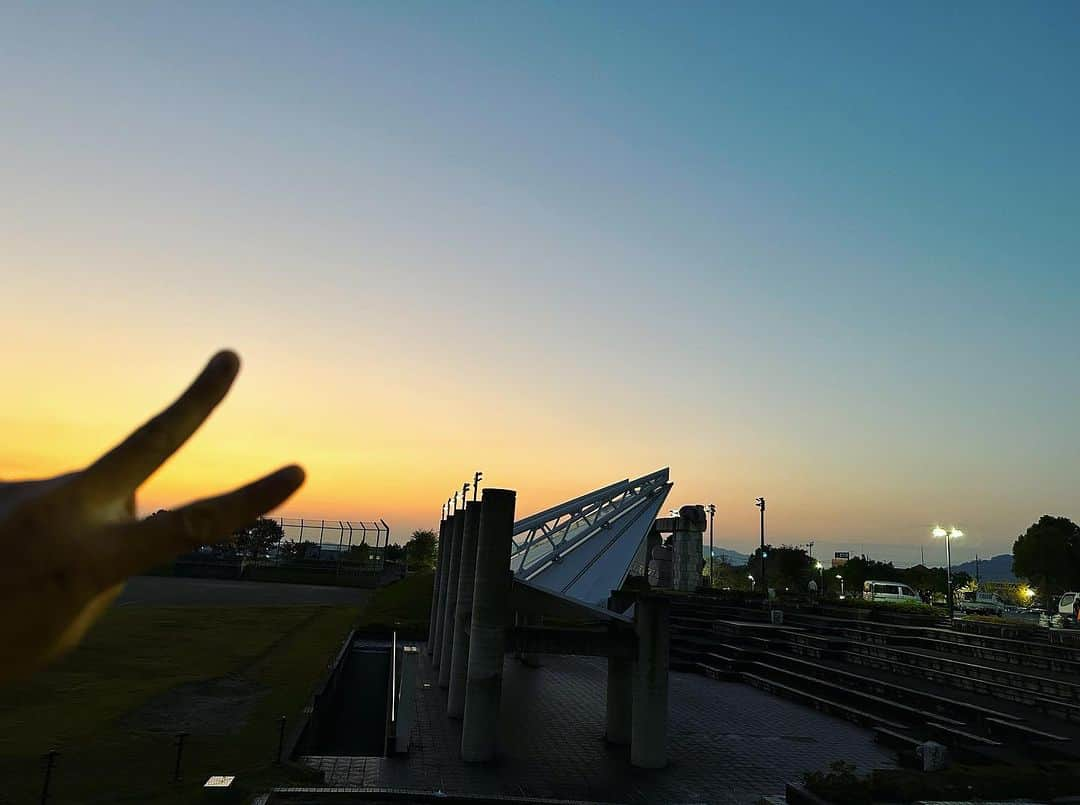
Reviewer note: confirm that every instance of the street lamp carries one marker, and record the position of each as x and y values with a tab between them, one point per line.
841	584
821	569
751	582
950	535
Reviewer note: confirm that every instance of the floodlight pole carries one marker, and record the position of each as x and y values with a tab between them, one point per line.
478	476
464	493
760	503
948	575
712	513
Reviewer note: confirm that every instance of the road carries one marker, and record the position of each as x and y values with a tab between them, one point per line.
164	591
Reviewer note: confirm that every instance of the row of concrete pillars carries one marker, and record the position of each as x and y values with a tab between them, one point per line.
470	614
466	634
637	686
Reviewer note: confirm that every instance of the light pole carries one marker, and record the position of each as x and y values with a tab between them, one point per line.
821	569
478	476
841	584
712	513
751	583
760	503
950	535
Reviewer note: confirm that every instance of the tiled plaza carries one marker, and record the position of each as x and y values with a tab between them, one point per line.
727	742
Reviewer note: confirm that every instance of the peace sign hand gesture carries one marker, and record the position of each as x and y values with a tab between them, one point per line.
70	542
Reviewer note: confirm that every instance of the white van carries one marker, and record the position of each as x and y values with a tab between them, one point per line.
980	603
1068	606
889	591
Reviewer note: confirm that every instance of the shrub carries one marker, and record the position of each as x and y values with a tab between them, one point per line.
839	784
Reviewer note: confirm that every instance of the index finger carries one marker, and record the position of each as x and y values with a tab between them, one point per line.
120	471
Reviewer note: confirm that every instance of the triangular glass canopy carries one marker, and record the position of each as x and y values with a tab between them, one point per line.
585	548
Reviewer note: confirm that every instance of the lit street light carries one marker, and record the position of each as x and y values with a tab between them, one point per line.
821	569
841	584
751	583
950	535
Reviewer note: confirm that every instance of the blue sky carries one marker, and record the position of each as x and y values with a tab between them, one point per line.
823	252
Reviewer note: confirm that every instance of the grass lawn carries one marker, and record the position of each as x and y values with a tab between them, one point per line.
114	705
403	606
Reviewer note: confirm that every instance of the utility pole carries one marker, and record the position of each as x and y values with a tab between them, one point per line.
977	579
760	503
810	545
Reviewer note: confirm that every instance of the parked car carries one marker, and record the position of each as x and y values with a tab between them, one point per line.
977	603
1069	609
889	591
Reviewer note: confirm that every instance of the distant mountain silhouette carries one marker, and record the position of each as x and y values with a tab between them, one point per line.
996	568
730	556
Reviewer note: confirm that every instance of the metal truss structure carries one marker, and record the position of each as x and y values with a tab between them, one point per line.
584	548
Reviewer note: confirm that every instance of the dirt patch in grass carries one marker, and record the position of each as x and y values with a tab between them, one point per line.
214	707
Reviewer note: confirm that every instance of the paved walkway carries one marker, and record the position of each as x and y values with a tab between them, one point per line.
727	742
170	591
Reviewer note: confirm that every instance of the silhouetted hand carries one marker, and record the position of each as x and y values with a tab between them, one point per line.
67	543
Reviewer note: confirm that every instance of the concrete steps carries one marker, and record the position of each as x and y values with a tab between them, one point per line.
822	703
930	703
836	665
982	671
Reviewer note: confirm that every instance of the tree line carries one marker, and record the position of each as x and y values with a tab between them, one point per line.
265	537
1046	555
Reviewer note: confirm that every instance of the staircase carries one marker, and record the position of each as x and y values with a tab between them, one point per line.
992	700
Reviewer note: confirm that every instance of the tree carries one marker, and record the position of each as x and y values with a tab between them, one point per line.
359	553
253	541
420	549
731	577
291	549
924	579
858	569
1048	555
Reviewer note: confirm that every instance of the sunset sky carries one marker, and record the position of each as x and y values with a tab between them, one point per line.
828	253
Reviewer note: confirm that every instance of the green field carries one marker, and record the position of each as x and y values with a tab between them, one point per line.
402	607
114	705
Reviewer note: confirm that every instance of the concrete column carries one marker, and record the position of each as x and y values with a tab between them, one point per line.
620	698
648	738
523	619
450	614
435	588
459	658
487	640
686	543
446	550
